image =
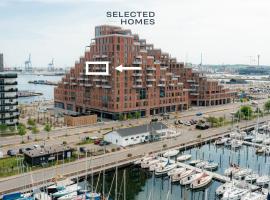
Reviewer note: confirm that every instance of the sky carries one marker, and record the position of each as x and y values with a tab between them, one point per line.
224	31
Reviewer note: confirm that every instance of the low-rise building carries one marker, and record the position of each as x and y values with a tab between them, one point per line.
40	156
79	120
135	135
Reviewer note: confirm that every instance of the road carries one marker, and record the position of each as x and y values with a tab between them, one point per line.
220	110
71	169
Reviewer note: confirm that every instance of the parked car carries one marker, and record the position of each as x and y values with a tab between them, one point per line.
83	149
36	146
12	152
199	114
1	154
202	126
96	142
180	122
187	123
176	122
154	120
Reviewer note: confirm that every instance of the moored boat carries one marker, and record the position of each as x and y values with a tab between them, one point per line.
201	182
189	179
185	157
171	153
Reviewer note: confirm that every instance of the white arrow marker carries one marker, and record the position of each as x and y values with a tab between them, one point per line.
121	68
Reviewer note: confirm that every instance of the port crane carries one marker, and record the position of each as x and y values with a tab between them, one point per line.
51	65
28	64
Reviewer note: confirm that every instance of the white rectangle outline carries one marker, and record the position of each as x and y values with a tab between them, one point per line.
87	63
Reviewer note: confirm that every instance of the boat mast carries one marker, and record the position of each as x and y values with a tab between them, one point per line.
124	184
116	174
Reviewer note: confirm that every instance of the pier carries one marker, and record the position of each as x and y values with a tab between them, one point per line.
216	176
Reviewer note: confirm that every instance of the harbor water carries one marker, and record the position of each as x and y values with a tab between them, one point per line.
46	90
143	185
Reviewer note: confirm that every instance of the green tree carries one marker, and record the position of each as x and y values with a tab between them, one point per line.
3	128
48	128
31	122
212	120
121	116
267	106
11	129
137	114
246	111
21	130
129	116
35	131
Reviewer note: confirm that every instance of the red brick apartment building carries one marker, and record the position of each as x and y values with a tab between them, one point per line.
162	85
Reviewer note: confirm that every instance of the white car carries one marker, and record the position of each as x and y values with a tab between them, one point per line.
1	154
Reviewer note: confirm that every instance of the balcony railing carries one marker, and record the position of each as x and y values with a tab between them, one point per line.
151	69
136	74
9	83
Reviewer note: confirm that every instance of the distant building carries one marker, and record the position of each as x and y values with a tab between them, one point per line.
41	156
1	62
135	135
9	113
161	85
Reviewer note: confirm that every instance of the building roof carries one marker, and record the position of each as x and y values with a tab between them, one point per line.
141	129
46	150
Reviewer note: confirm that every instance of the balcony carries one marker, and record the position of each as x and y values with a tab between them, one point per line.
175	79
151	69
194	94
106	86
10	90
169	73
73	83
80	79
72	78
138	80
104	80
151	80
81	84
171	84
161	85
163	67
157	62
96	79
149	74
191	81
137	62
136	74
149	85
88	85
9	83
180	83
137	86
66	83
162	79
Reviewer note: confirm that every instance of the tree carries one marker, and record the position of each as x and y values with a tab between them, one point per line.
31	122
212	120
137	115
129	116
3	128
246	112
11	129
48	128
35	131
21	130
267	106
121	117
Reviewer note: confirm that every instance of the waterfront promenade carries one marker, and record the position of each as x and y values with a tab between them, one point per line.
78	168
